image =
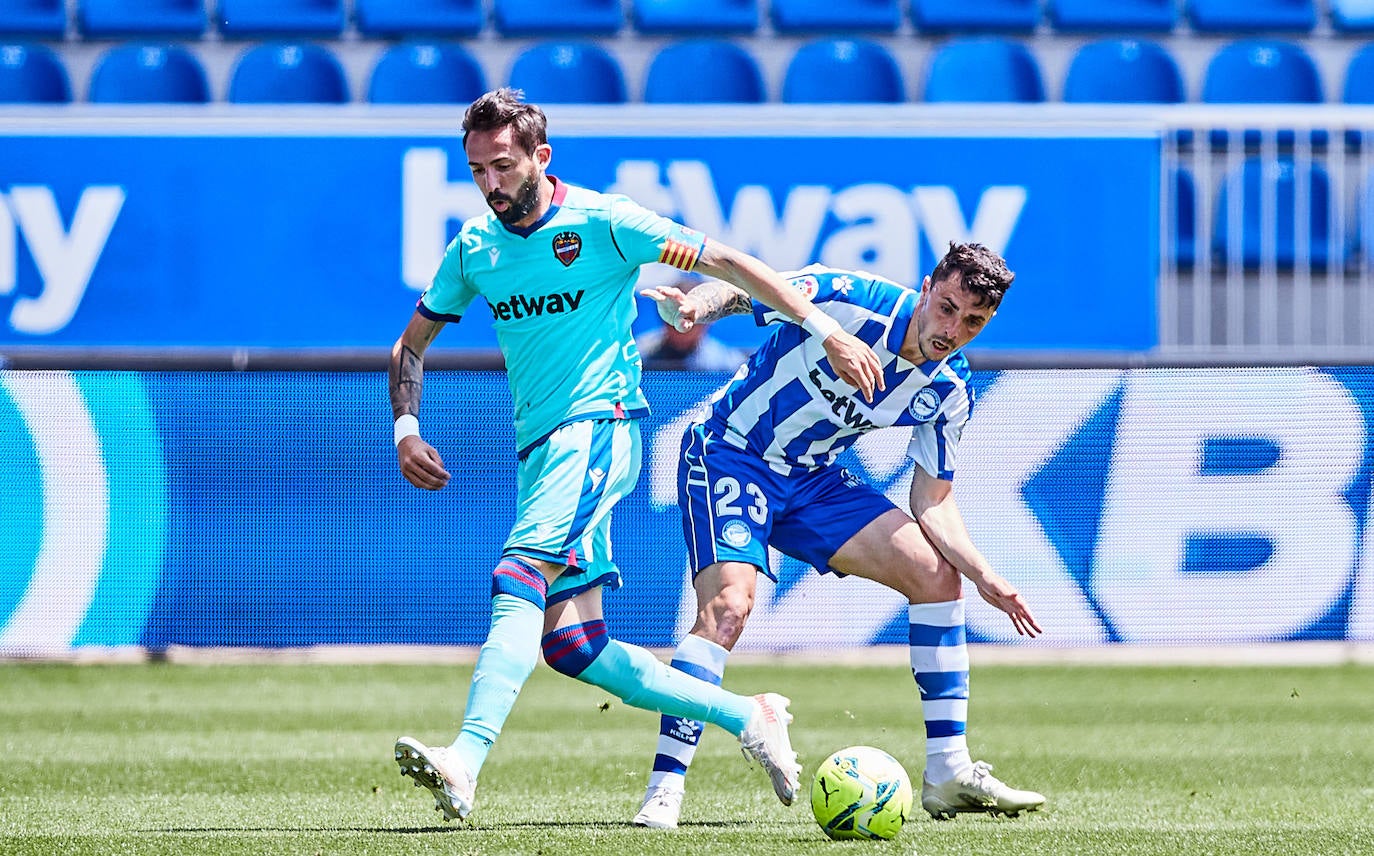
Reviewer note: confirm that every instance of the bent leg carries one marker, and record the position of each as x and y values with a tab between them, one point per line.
894	551
725	596
576	643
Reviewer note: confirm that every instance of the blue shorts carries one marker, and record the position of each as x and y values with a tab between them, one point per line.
568	485
734	506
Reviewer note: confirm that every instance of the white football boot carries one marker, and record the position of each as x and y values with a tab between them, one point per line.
661	810
765	740
976	790
439	769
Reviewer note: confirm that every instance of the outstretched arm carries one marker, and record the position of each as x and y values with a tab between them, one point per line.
420	462
933	506
710	301
853	361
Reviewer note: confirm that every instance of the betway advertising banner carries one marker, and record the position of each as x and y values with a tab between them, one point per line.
303	233
1191	507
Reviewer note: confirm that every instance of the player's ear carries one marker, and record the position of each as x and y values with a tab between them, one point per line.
543	153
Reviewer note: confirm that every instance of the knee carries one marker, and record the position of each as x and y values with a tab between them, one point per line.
570	650
727	613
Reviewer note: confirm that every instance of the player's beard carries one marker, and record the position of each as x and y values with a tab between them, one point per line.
522	205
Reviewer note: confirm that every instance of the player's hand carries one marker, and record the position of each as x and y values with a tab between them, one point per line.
1003	595
855	363
673	307
421	464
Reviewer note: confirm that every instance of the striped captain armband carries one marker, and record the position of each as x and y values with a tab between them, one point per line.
680	255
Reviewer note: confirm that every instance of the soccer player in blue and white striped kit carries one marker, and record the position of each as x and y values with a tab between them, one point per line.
759	472
557	264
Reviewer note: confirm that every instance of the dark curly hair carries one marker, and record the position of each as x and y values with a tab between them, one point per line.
981	271
506	106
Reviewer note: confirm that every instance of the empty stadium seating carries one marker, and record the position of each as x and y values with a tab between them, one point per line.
259	18
32	74
33	18
830	71
117	18
716	17
147	74
1261	71
1223	16
969	16
1150	57
1114	15
1123	71
822	16
1283	182
288	73
704	71
565	17
1352	16
983	70
425	73
569	73
389	18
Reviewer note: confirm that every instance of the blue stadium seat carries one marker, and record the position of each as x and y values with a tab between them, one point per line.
148	74
581	17
288	74
717	17
1278	180
1359	89
1352	16
1125	15
1123	71
966	16
424	73
252	18
33	17
1184	245
1222	16
832	71
32	74
115	18
390	18
983	69
568	73
1262	71
826	16
704	71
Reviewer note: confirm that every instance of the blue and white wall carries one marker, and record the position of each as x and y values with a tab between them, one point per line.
265	509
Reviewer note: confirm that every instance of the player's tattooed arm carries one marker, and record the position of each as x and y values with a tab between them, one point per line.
715	300
407	370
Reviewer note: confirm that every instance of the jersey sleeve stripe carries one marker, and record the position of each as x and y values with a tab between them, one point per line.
435	316
678	254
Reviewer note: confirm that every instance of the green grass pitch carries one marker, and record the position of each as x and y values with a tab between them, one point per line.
296	759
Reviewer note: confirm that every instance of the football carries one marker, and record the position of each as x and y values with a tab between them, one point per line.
861	792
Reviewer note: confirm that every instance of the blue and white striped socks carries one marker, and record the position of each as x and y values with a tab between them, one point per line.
939	662
678	737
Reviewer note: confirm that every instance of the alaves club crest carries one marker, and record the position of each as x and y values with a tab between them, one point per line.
567	246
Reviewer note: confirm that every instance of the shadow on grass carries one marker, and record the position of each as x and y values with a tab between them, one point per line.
444	830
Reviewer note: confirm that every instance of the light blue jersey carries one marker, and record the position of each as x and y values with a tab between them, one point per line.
788	407
561	294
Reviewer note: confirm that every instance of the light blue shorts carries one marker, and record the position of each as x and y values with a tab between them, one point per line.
567	487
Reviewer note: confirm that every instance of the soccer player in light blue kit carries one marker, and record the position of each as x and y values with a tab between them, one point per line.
759	472
557	264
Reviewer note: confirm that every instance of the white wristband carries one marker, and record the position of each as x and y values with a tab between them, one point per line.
406	426
820	325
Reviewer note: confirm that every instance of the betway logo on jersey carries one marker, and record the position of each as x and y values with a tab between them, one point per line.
840	404
880	231
521	306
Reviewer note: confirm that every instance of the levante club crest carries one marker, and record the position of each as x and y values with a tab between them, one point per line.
567	246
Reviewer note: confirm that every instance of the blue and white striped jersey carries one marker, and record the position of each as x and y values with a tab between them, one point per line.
788	406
